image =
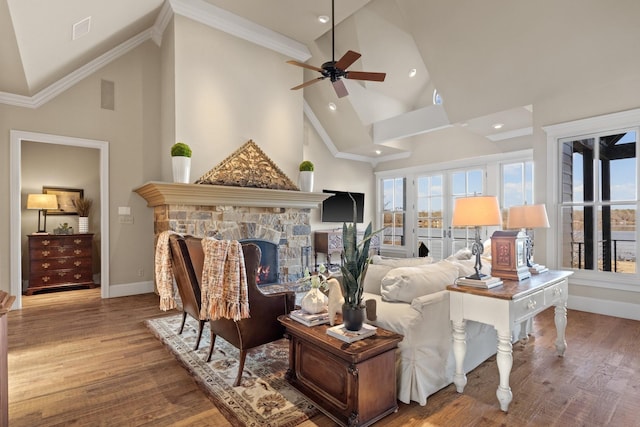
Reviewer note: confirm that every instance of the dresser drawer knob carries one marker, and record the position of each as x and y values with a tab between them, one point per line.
531	305
46	278
45	253
77	251
46	242
557	292
77	276
77	241
77	263
45	265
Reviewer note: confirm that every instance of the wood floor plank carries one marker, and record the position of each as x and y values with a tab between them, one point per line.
78	360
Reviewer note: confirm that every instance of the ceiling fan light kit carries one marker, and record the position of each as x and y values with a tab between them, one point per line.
335	71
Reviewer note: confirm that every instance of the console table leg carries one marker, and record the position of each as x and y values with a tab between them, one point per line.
459	351
505	362
561	324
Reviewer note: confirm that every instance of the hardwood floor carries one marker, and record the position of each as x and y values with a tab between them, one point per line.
77	360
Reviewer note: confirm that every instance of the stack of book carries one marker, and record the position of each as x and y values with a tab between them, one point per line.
487	282
345	335
309	319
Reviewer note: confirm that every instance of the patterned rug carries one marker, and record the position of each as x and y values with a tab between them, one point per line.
263	398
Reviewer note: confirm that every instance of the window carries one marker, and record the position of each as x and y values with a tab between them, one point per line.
393	211
517	186
599	201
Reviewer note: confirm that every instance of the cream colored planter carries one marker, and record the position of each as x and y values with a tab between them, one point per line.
181	169
306	181
83	224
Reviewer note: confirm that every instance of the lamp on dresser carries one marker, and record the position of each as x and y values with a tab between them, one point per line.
476	211
42	202
528	217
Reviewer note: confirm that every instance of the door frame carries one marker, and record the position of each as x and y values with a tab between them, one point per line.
15	188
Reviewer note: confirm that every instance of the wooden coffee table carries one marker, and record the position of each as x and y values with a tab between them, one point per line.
354	384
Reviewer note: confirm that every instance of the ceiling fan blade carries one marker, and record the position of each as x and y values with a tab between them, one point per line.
309	83
363	75
340	88
347	59
303	65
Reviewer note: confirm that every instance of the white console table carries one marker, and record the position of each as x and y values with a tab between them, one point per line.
503	307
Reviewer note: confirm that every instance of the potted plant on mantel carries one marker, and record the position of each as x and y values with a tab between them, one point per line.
181	162
83	207
306	176
355	260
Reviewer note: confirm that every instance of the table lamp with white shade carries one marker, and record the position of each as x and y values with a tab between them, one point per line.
42	202
476	211
528	217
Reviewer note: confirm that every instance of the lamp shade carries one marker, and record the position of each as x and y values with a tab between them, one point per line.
528	216
42	201
476	211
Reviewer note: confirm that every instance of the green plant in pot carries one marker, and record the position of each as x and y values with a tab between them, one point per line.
181	162
306	176
355	261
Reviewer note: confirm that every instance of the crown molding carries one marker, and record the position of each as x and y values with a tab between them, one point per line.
55	89
324	136
220	19
197	10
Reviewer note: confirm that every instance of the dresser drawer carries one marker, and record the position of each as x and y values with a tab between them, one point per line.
57	277
43	265
556	293
528	305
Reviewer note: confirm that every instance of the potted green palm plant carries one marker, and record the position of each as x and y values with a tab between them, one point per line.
355	260
181	162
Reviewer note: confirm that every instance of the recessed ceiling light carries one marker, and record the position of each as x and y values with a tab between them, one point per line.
413	72
332	106
323	19
498	126
378	152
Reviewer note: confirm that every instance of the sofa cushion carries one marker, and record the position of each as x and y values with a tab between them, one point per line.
403	284
373	278
400	262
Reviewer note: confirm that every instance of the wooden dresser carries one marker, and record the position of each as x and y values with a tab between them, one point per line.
57	261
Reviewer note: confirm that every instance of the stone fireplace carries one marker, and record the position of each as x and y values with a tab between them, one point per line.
239	213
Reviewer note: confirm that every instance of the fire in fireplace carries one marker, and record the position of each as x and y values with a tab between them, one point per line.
268	269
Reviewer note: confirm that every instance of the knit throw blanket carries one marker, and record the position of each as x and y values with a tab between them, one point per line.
164	272
224	281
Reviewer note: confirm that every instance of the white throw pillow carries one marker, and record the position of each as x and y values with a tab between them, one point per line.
401	262
403	284
373	278
464	253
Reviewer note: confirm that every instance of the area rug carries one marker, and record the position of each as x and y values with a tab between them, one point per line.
263	398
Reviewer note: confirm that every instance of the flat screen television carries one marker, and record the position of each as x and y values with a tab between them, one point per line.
339	207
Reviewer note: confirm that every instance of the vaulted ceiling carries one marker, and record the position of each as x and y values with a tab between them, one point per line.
490	60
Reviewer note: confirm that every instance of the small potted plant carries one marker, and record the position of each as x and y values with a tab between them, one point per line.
306	176
83	207
181	162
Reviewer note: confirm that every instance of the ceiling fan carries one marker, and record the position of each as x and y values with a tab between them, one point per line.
337	70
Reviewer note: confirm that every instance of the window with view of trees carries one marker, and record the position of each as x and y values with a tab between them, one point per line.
599	201
393	211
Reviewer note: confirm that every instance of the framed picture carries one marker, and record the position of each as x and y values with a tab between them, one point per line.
66	197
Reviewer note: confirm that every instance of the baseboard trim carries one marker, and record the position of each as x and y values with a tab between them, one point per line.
624	310
127	289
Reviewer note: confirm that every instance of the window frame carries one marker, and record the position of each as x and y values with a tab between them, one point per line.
581	129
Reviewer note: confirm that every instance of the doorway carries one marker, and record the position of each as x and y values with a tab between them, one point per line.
17	138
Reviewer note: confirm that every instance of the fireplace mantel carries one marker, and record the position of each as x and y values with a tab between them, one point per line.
168	193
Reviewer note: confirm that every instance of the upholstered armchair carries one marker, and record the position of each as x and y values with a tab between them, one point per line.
262	326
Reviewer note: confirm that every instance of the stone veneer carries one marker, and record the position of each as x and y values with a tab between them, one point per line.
236	213
286	227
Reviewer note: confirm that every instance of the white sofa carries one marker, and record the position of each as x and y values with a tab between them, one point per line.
412	300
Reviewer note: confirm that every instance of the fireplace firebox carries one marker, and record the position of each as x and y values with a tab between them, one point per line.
268	269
